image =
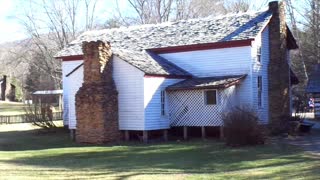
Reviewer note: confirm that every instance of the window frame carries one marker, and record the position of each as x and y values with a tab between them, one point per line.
205	97
163	103
259	91
259	50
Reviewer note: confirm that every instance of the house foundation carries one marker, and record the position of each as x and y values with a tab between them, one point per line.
203	132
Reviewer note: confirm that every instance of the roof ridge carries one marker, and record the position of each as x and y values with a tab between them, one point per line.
168	23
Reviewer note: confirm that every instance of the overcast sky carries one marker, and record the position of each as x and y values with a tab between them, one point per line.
11	30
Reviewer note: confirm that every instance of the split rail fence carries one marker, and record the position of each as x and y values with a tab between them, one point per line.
22	118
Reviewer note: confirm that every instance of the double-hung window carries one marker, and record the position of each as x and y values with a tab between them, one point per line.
259	54
163	99
259	87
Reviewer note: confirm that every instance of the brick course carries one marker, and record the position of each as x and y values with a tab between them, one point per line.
97	99
278	69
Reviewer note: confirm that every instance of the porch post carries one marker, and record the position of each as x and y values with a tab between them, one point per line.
203	132
165	135
185	132
145	136
126	135
60	103
73	134
221	132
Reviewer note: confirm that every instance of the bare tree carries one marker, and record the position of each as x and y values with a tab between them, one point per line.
186	9
238	6
51	25
152	11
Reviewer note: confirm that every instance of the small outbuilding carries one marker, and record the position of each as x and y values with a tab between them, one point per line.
48	96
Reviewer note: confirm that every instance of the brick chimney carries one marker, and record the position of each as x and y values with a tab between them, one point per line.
278	69
97	99
3	88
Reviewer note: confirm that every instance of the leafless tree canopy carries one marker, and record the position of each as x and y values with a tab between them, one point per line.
51	25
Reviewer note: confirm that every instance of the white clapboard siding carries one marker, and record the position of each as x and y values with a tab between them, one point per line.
213	62
129	83
67	67
152	102
75	82
261	69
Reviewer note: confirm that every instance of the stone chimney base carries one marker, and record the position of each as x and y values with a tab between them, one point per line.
97	120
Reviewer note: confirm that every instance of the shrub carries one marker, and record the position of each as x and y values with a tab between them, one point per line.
285	124
40	115
241	128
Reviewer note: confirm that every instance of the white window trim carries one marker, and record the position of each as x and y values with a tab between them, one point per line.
205	97
259	54
261	99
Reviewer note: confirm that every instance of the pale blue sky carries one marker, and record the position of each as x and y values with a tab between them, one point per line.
11	29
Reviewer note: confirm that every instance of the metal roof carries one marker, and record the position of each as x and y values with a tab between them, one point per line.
48	92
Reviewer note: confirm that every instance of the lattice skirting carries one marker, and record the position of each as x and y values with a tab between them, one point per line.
188	108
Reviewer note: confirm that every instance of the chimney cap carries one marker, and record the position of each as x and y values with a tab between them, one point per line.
273	4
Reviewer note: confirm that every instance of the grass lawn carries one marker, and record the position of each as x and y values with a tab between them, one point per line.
11	108
27	154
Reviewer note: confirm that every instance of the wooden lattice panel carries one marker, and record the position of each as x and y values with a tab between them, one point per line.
188	108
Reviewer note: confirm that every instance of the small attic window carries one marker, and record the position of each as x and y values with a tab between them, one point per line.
259	54
211	97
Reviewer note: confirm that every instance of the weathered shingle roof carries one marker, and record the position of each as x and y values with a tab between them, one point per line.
185	32
207	82
132	43
314	81
150	63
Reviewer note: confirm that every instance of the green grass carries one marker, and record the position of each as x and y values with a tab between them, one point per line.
34	155
9	108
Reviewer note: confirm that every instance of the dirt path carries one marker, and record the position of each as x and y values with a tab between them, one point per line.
310	142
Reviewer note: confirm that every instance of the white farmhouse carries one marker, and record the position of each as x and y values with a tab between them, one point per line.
176	74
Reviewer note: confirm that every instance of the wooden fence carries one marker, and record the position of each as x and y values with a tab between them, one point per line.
22	118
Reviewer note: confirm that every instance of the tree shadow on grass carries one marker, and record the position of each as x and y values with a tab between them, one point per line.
169	158
35	140
130	160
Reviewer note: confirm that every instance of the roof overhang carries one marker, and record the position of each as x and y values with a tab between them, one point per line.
204	46
218	82
74	70
70	58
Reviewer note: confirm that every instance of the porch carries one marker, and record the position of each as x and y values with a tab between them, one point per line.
201	102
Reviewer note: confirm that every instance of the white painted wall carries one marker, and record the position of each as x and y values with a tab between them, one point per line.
75	82
129	82
152	102
213	62
67	67
261	69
